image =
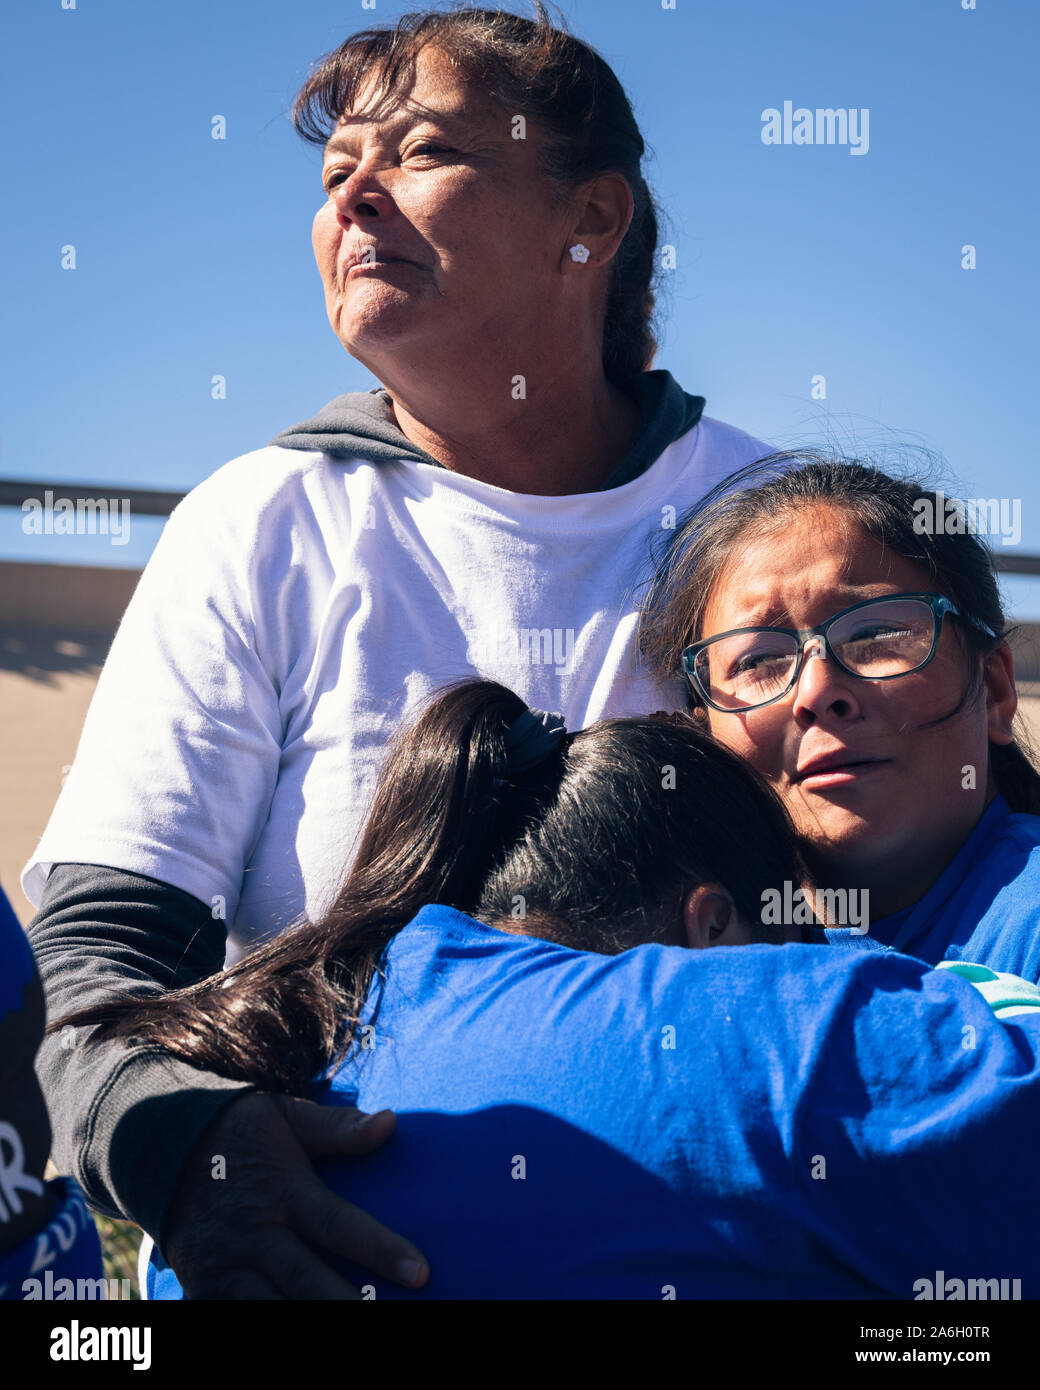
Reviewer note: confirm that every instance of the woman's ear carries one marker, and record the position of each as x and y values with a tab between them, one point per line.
604	218
1001	697
710	918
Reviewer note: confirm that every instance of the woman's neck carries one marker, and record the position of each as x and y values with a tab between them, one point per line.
558	438
897	883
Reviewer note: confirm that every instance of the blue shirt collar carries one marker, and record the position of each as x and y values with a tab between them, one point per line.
900	929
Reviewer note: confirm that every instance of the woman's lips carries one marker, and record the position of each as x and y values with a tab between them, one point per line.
360	267
838	774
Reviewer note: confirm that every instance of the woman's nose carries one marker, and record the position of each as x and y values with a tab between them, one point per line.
361	197
823	687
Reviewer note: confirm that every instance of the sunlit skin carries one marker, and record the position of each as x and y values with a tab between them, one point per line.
891	825
481	289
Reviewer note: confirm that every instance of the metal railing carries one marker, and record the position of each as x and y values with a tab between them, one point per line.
159	502
144	500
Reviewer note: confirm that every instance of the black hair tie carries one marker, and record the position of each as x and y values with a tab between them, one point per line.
529	739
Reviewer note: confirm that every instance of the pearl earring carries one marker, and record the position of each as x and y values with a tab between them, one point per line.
579	253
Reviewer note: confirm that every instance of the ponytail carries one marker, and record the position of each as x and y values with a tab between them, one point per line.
483	806
442	818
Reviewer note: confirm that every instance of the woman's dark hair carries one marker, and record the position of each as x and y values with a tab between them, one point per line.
595	848
753	503
541	72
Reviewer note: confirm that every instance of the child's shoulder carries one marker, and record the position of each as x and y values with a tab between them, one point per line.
1012	851
1021	828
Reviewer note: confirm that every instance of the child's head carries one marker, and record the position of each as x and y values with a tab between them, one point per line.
630	831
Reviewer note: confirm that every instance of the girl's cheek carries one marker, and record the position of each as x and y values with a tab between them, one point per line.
759	741
726	730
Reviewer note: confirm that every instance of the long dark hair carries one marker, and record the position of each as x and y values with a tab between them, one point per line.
750	503
544	74
596	848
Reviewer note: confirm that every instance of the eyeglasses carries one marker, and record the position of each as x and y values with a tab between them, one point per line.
879	639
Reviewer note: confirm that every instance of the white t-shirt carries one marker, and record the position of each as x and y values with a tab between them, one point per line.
294	613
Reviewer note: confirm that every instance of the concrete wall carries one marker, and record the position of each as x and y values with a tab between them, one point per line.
71	599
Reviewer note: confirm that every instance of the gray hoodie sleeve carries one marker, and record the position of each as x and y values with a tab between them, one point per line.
124	1117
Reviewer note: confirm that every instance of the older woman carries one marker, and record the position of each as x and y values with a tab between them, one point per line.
487	247
859	661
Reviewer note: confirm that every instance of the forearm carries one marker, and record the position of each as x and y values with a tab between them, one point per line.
124	1118
131	1141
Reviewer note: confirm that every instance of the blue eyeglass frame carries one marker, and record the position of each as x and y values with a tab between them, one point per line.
939	604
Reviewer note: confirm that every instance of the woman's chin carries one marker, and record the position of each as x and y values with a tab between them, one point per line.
841	837
383	321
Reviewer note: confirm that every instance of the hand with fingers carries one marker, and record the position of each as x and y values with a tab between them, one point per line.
257	1233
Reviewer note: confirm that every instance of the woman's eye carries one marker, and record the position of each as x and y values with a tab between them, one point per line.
756	662
336	177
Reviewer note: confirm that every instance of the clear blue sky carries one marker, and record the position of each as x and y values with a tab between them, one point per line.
194	255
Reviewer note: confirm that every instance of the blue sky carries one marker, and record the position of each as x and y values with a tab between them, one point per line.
792	261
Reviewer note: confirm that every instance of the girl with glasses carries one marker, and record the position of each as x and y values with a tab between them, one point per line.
860	662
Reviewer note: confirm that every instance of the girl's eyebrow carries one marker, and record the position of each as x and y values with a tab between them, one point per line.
758	615
777	617
770	620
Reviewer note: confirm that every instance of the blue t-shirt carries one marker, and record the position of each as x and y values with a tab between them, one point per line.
762	1121
984	908
17	964
63	1258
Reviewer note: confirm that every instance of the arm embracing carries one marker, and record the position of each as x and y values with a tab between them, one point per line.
124	1119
